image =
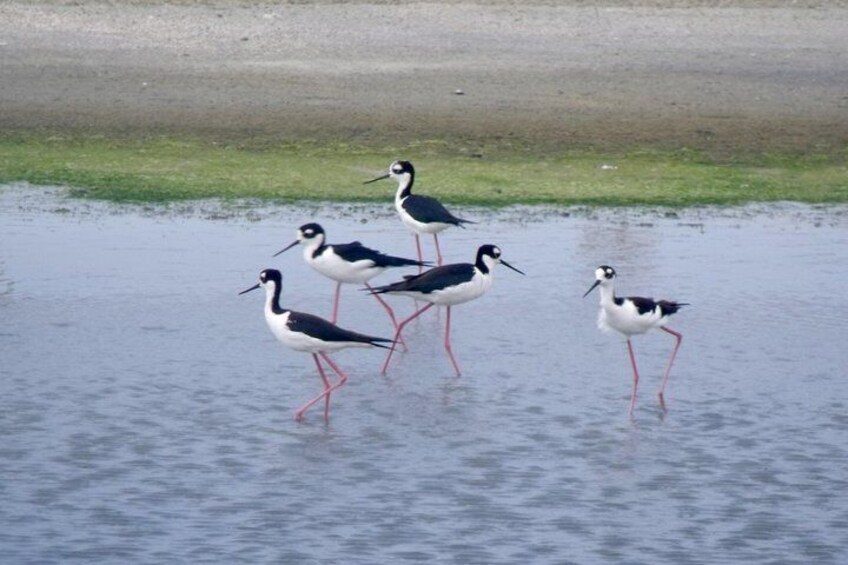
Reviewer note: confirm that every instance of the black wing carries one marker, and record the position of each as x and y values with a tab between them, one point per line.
647	305
427	210
432	280
355	251
320	328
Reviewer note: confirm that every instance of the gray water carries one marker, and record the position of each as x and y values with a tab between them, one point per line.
146	413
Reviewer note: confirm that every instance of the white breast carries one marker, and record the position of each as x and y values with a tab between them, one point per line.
627	319
332	266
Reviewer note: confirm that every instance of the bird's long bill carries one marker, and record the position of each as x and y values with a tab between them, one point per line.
591	288
254	287
287	247
376	179
505	264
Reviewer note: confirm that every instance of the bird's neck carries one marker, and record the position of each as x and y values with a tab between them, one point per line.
272	299
607	294
485	267
312	248
405	183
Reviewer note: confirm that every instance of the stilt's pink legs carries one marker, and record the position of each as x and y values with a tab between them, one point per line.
389	311
420	256
326	394
679	339
328	389
398	332
448	345
336	303
438	251
635	376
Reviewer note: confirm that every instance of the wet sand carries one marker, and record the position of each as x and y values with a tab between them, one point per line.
543	76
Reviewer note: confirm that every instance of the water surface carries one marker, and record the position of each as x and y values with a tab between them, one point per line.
146	411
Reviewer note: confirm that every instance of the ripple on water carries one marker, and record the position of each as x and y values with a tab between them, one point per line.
145	419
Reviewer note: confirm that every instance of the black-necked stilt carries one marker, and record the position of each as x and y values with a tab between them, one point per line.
305	332
345	263
447	285
631	316
421	214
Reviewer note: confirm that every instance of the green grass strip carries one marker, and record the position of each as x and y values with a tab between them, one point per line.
166	169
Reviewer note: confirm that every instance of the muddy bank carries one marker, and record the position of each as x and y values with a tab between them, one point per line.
544	76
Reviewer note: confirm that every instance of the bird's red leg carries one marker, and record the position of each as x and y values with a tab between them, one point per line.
389	311
635	376
398	332
678	340
326	394
448	345
336	304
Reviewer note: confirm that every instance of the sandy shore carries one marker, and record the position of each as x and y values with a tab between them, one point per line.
550	75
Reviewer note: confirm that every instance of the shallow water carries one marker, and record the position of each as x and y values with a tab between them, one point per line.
146	411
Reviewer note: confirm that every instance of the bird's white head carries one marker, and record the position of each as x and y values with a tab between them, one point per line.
402	171
312	235
488	256
604	275
308	233
270	279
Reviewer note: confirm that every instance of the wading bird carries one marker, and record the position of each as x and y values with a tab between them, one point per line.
447	285
421	214
305	332
631	316
346	262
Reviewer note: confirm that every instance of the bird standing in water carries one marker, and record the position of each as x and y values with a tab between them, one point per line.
631	316
346	262
305	332
421	214
447	285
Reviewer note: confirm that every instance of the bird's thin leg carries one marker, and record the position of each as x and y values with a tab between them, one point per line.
398	332
678	339
326	394
336	303
635	376
389	311
438	251
342	376
448	345
420	256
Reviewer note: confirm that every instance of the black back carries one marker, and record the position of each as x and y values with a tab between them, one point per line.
320	328
427	210
355	251
438	278
647	305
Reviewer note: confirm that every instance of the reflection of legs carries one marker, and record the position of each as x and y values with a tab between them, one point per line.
438	251
399	330
336	304
325	395
635	376
448	345
679	339
389	311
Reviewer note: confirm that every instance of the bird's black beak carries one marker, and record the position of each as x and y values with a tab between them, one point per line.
254	287
287	247
591	288
505	264
376	179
